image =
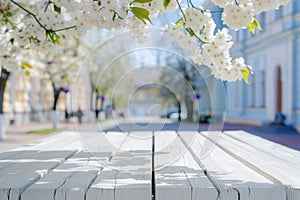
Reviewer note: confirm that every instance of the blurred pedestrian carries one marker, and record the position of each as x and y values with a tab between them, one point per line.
179	111
122	115
66	115
79	115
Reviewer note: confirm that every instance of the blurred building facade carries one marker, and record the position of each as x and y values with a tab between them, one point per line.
274	54
30	98
144	99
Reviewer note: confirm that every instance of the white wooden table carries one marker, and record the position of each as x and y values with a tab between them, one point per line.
163	165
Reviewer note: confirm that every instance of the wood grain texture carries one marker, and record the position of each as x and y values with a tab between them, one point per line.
119	166
128	174
71	180
177	174
233	178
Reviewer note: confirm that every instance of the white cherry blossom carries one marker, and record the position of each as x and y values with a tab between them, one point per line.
238	16
41	25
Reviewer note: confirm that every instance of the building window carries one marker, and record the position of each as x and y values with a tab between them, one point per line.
262	19
263	89
297	6
251	91
279	13
279	89
141	96
238	36
150	97
237	94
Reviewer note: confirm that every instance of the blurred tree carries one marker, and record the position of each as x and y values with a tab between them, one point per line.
179	79
106	65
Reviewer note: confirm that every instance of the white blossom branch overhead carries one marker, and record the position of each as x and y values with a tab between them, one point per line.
44	24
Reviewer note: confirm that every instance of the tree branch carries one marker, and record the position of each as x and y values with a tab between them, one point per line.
30	13
38	21
180	8
64	29
49	2
203	10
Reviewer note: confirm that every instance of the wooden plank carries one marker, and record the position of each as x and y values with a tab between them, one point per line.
25	169
20	159
98	141
128	175
14	182
177	174
26	160
287	155
55	142
67	140
35	156
272	165
110	141
59	141
71	180
68	181
233	178
8	154
91	141
45	150
23	161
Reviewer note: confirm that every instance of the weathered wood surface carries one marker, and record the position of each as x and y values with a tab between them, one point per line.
128	174
279	162
72	179
232	178
177	174
143	165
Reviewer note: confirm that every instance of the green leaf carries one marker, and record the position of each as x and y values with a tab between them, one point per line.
58	41
166	3
57	9
33	39
9	14
254	24
26	65
5	15
251	28
245	73
141	13
179	23
27	73
190	31
142	1
54	38
114	16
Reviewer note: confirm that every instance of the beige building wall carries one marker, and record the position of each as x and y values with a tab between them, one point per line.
30	98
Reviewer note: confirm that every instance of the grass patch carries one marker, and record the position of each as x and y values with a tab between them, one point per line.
43	131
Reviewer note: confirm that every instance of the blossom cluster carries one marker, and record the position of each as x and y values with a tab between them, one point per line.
238	14
215	45
42	25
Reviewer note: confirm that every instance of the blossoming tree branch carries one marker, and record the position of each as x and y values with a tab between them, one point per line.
41	25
